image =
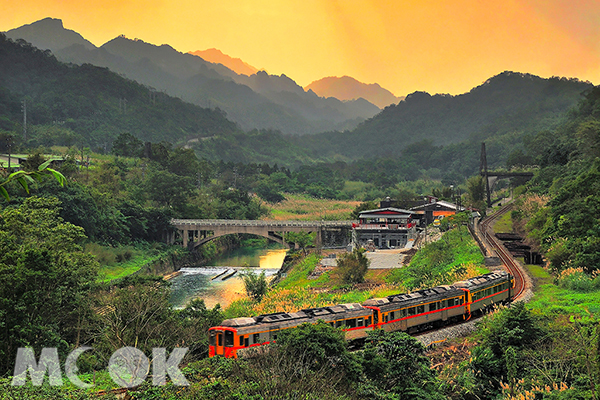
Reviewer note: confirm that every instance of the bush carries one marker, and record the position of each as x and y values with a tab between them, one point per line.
353	266
256	285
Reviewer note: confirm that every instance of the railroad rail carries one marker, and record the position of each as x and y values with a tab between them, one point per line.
511	264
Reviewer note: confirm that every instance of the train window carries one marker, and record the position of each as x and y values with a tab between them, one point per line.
256	338
228	339
411	311
241	341
392	315
351	323
275	336
420	309
219	340
385	317
368	321
246	342
338	323
360	322
213	338
403	313
432	306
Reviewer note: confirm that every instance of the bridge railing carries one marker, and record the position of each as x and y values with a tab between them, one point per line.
282	224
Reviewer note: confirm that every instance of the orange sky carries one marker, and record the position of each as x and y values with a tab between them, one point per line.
438	46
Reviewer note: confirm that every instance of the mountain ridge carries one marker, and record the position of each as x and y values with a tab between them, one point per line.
260	101
216	56
347	88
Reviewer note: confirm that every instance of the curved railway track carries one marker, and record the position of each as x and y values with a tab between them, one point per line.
512	266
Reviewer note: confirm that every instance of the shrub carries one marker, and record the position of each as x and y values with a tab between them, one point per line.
353	266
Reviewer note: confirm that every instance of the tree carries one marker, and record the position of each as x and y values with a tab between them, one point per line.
394	362
364	206
127	145
506	334
44	279
256	285
24	178
314	346
353	266
302	239
476	189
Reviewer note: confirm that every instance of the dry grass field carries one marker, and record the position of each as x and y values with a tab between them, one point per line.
306	208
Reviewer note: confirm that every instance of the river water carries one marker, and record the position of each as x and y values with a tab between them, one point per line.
196	282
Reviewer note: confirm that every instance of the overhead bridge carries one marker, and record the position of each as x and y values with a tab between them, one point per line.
196	232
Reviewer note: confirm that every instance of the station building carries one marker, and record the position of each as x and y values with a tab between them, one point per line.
385	228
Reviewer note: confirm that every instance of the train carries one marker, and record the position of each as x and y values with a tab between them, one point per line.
408	312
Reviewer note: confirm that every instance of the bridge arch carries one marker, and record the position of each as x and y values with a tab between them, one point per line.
201	231
192	245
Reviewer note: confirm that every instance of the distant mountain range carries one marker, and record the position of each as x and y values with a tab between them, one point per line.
96	105
504	109
347	88
216	56
257	101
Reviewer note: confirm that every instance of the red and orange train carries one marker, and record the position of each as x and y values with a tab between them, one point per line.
409	312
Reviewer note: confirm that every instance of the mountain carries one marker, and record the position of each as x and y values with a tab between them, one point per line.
49	34
72	104
216	56
347	88
260	101
506	108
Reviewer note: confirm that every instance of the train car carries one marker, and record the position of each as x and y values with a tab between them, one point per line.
487	290
408	312
412	312
234	336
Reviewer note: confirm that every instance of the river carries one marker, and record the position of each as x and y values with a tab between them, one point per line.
196	282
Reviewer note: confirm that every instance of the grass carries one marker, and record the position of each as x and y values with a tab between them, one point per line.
118	262
306	208
504	224
454	257
553	301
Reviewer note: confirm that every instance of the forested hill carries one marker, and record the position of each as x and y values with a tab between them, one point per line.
510	103
260	101
68	104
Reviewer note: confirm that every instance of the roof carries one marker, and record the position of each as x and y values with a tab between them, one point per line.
383	212
439	203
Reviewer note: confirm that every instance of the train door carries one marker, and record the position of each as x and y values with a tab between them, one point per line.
216	341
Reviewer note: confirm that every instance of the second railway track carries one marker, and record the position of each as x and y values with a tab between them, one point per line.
505	256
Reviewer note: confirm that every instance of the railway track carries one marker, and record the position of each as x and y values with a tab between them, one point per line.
512	266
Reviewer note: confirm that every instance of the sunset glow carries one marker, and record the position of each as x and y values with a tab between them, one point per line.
436	46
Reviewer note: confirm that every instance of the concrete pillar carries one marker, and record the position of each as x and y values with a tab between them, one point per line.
185	234
319	238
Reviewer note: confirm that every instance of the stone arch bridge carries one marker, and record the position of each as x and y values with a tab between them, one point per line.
196	232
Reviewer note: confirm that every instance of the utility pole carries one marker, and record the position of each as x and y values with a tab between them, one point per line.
9	145
24	119
483	170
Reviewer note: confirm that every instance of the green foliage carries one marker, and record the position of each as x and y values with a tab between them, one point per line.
364	206
395	367
256	285
505	337
442	262
24	178
302	239
352	267
45	279
127	145
314	346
